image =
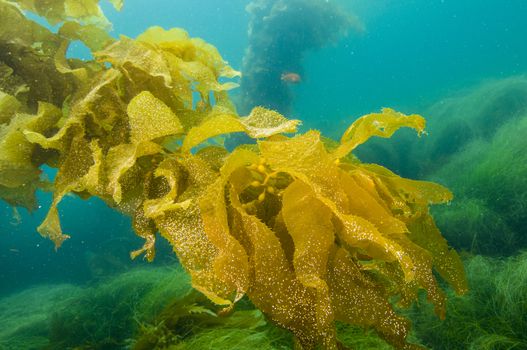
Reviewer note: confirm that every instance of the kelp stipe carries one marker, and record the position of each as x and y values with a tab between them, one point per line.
311	235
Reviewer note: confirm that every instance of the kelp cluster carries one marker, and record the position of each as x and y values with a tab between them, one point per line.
296	223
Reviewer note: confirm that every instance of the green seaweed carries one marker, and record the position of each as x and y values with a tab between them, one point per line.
296	224
489	197
473	114
490	316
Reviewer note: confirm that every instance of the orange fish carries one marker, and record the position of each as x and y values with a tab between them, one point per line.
291	78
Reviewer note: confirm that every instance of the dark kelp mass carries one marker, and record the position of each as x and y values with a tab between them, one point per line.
294	222
280	34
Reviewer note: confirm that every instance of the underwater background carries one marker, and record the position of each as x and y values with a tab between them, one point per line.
461	64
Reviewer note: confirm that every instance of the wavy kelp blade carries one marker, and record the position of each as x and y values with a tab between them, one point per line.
120	159
425	233
275	289
177	41
183	228
171	171
8	106
150	118
56	11
74	171
231	264
382	124
260	123
18	171
411	199
309	222
412	191
358	300
93	36
129	55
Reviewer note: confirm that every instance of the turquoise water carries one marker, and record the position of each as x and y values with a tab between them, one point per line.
461	64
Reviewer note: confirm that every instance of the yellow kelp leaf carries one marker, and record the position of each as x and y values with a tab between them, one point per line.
183	228
190	60
127	55
73	169
102	101
260	123
359	233
217	125
8	106
425	233
231	262
163	37
263	122
364	201
16	165
91	35
411	191
50	228
214	156
17	28
305	154
56	11
145	228
120	159
209	55
309	223
64	67
80	9
205	77
150	118
171	171
382	124
57	141
358	300
92	181
275	289
178	42
117	4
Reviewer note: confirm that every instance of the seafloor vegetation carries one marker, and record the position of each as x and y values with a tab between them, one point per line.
286	241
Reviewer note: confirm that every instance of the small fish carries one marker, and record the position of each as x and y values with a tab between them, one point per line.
291	78
14	250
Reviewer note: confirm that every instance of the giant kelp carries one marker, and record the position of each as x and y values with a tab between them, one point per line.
296	223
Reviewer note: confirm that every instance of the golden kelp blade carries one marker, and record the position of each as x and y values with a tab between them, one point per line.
260	123
382	124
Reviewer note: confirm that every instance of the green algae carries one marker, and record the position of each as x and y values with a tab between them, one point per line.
101	315
490	316
490	196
